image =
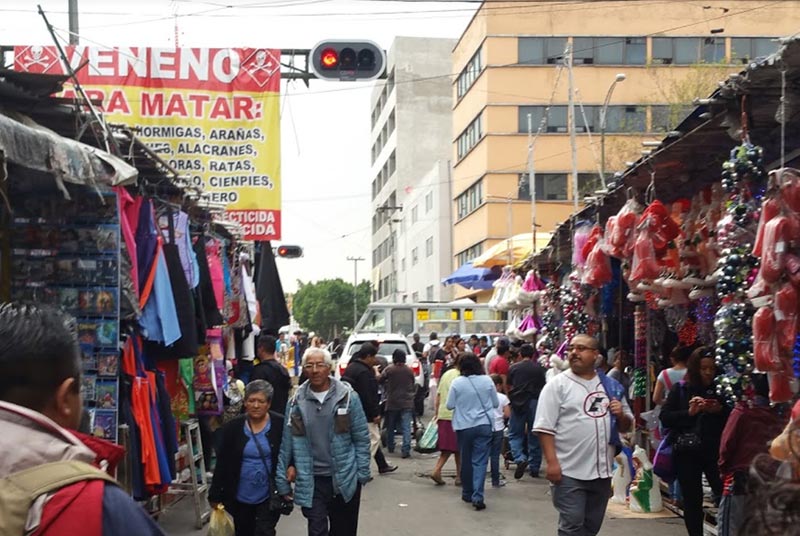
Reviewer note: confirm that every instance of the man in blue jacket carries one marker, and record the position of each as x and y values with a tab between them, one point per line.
325	450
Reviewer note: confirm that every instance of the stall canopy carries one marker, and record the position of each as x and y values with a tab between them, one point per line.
470	277
511	250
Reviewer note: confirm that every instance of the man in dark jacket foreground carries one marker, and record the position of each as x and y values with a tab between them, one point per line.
360	373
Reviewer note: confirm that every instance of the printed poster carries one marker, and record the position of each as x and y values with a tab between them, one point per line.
211	113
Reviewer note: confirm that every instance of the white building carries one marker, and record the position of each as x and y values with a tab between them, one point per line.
411	146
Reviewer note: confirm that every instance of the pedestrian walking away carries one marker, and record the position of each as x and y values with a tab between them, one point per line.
244	476
447	441
271	370
473	397
362	374
399	381
578	418
526	378
324	450
501	414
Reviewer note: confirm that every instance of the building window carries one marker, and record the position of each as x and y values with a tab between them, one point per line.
609	50
588	183
429	246
624	118
676	50
541	50
619	118
414	215
428	202
470	199
666	118
556	120
414	256
549	187
429	293
746	49
469	74
713	49
469	253
470	137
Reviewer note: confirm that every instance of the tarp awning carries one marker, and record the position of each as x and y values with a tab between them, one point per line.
511	250
28	144
472	278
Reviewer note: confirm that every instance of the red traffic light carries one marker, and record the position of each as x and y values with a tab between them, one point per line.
289	252
329	58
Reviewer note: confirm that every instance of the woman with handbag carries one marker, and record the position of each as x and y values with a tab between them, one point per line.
695	416
473	398
244	477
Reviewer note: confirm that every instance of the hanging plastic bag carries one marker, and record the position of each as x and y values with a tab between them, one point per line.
790	187
764	345
786	319
509	300
780	388
645	266
427	443
598	267
776	242
770	209
582	232
221	523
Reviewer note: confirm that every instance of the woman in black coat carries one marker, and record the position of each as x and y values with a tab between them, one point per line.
246	461
695	416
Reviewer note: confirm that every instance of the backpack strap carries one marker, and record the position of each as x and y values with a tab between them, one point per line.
49	477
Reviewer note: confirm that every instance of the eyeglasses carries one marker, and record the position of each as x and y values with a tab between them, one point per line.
579	348
315	366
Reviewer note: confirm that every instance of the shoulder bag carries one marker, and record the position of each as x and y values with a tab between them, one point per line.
276	502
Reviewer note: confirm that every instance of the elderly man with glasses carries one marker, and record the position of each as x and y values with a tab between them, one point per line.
578	418
325	449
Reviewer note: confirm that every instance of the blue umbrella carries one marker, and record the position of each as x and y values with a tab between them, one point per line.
472	278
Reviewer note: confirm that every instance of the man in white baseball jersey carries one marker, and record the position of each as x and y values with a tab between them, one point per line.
577	419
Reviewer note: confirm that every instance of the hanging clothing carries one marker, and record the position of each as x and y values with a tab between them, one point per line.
178	234
146	243
205	290
128	209
159	321
184	305
126	416
214	259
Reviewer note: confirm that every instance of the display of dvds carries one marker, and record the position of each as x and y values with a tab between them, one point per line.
65	253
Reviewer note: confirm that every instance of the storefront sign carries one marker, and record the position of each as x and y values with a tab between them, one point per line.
212	114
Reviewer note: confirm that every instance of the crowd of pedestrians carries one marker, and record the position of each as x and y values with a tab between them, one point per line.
311	445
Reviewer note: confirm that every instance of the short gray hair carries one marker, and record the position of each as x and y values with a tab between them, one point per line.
259	386
326	355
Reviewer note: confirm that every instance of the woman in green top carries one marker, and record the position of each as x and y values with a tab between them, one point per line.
447	442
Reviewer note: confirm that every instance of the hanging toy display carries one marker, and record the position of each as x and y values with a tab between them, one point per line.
742	177
548	340
575	303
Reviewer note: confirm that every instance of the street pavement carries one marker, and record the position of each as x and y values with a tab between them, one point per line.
407	503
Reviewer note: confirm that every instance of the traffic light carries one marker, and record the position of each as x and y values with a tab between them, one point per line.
289	252
343	60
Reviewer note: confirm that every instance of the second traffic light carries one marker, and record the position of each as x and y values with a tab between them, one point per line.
344	60
289	252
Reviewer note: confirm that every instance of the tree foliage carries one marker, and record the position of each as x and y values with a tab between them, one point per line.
326	306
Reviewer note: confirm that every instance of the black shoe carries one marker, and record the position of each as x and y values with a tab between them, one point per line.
466	500
480	505
388	469
406	455
519	472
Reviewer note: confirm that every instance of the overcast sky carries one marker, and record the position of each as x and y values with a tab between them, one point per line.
325	129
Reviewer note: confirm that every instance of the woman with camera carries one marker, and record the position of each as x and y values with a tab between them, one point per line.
244	477
695	416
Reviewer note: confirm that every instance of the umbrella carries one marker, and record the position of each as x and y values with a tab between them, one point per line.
511	251
472	278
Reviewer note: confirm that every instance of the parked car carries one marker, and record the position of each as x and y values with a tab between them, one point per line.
387	344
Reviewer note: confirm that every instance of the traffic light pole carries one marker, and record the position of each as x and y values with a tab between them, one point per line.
355	260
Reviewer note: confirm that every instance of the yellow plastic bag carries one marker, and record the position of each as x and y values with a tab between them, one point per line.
221	523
